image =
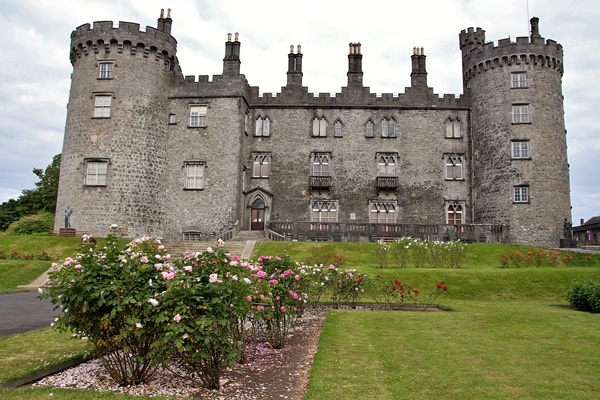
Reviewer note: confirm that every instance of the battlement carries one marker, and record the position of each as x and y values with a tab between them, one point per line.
479	56
104	35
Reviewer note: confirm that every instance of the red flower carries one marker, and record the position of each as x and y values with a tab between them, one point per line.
445	287
416	291
360	279
397	282
439	285
394	288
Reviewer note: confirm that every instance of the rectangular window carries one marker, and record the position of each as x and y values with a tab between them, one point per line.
198	116
106	70
260	168
453	129
382	213
102	104
454	167
319	127
95	172
320	166
386	164
521	194
324	211
520	114
263	126
454	214
338	129
520	149
194	174
519	80
388	128
369	129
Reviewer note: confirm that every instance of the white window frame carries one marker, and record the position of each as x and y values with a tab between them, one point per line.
382	212
454	166
319	127
519	80
388	128
194	174
521	194
324	211
261	165
263	126
105	69
102	105
455	213
321	165
453	127
520	149
198	115
96	172
386	164
521	114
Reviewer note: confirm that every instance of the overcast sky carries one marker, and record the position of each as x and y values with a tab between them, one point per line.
35	68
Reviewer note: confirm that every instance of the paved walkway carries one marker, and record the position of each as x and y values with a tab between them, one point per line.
22	311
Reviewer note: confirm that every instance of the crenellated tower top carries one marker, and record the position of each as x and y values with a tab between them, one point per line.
479	56
104	37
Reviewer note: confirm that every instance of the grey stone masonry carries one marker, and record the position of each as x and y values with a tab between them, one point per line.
200	157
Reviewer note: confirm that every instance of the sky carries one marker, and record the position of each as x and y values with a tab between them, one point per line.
35	68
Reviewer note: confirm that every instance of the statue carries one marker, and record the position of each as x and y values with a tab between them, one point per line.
567	229
68	213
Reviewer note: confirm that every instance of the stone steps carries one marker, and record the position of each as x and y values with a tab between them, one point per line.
241	248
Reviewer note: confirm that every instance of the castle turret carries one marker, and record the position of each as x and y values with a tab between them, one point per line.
114	144
355	73
520	170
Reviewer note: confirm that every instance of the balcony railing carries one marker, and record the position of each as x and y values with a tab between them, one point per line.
320	182
387	182
368	232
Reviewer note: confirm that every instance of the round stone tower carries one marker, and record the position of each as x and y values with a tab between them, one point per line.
115	135
520	168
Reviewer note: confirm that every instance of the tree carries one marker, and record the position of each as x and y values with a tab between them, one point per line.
33	201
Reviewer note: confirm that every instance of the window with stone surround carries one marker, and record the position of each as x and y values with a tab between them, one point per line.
198	115
520	149
386	164
453	127
454	213
454	166
337	129
263	126
261	165
102	105
194	174
520	114
96	171
388	128
319	127
323	211
519	80
106	70
320	164
382	212
369	129
521	194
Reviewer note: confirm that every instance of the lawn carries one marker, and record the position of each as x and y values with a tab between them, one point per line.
509	333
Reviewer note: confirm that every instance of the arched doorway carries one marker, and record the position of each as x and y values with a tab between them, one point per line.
257	215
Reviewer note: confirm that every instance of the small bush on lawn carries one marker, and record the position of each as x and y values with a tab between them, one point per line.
37	223
585	296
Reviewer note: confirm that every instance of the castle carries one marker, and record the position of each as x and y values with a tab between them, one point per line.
185	157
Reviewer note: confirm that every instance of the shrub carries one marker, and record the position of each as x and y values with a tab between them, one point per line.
585	296
104	295
31	224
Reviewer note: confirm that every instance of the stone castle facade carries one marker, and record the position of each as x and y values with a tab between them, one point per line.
176	156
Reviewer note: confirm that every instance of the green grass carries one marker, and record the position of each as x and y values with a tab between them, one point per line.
509	333
482	350
24	354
